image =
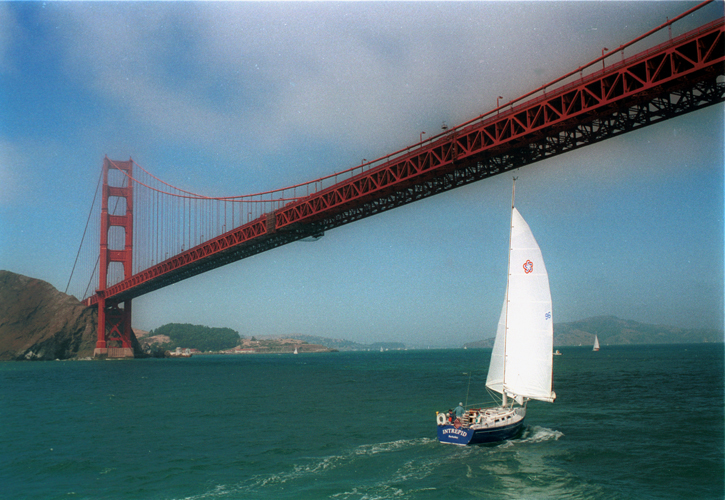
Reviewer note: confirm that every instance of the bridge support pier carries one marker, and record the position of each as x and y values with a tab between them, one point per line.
114	330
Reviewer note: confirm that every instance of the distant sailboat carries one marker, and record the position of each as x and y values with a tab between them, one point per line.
295	350
596	343
522	357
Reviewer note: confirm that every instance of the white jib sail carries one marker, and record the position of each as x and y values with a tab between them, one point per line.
494	379
528	343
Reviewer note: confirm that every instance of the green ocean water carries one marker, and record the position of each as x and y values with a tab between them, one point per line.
630	422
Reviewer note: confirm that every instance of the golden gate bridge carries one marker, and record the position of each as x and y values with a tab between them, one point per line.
153	234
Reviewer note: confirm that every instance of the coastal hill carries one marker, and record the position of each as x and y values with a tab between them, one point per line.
37	322
203	339
615	331
187	336
349	345
278	345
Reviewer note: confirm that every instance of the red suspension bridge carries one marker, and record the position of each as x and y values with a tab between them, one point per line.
153	234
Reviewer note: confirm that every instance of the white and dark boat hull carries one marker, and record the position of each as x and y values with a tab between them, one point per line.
463	436
482	426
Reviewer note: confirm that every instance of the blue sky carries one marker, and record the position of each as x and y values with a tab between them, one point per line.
235	98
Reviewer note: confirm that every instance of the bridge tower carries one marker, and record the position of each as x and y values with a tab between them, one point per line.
114	321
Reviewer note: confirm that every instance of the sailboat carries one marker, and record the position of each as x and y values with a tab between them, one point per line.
596	343
522	360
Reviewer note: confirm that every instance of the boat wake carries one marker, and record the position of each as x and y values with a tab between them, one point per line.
411	469
533	434
538	434
336	473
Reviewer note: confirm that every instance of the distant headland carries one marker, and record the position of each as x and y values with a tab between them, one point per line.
37	322
615	331
198	339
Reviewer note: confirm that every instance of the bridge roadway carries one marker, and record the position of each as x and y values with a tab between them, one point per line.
682	75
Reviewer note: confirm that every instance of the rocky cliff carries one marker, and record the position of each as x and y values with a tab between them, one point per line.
39	322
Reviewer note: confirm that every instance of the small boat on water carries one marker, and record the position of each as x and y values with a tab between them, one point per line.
596	343
179	353
522	357
557	353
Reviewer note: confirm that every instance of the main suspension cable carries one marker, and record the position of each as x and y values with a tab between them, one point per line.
90	212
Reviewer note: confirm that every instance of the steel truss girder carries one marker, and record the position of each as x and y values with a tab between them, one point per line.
637	116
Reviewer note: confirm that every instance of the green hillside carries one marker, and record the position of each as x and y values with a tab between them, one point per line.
200	337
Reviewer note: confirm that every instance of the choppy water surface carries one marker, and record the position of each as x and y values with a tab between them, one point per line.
629	422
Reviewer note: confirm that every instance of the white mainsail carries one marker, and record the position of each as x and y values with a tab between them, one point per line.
596	343
521	361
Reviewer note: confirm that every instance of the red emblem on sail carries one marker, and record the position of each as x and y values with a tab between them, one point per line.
528	266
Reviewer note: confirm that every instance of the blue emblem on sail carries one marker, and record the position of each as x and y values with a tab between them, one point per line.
528	266
547	315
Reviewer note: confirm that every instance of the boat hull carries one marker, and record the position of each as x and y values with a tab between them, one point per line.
463	436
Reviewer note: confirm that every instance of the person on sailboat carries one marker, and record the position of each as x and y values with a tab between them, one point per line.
459	411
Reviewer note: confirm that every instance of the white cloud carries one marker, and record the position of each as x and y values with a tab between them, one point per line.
371	73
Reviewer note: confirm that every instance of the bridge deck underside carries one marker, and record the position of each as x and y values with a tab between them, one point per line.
678	77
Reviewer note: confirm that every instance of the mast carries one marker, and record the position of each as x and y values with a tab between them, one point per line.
508	279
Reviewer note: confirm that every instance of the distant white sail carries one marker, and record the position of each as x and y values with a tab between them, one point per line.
596	343
521	361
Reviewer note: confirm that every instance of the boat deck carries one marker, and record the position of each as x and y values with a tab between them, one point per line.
482	418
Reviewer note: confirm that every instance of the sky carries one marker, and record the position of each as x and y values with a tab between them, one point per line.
239	97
